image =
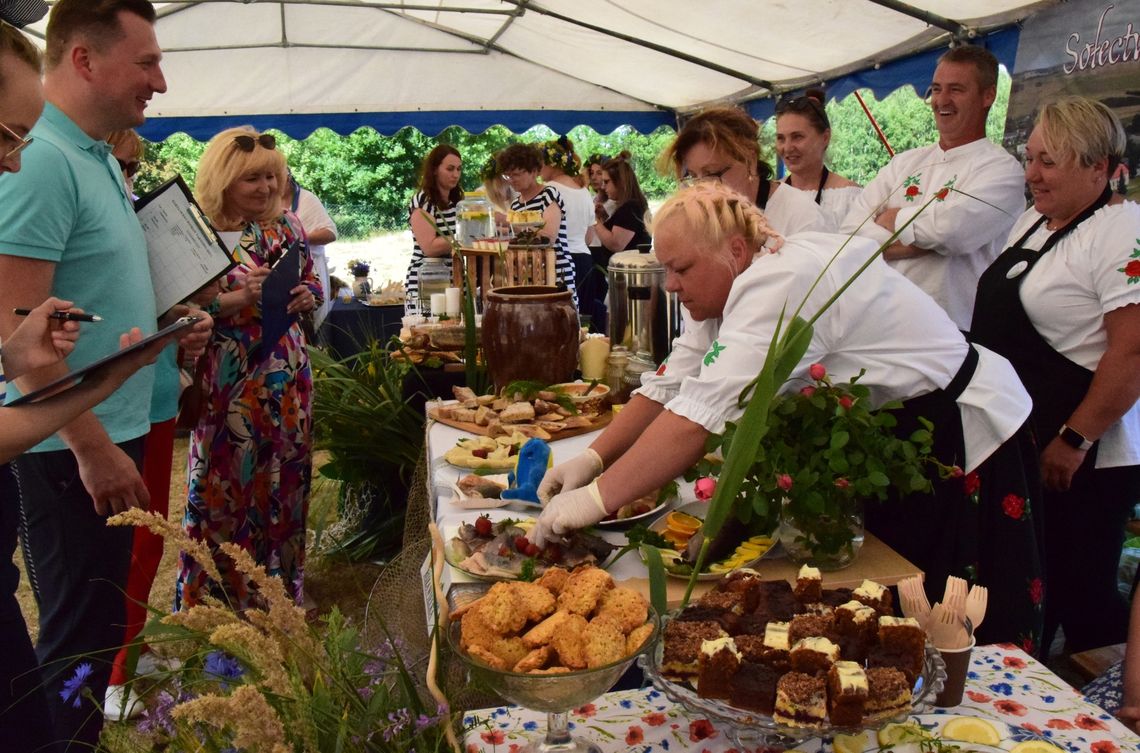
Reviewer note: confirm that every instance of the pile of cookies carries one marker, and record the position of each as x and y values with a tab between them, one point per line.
562	622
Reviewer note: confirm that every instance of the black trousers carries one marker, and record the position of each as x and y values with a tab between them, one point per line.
25	723
1084	533
77	566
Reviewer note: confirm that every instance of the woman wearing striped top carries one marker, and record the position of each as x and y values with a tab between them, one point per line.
432	213
520	164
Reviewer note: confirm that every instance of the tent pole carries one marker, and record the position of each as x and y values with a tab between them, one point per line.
956	29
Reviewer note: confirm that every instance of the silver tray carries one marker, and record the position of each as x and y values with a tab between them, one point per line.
751	728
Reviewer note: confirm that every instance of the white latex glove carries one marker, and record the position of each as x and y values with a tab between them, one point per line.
573	474
567	512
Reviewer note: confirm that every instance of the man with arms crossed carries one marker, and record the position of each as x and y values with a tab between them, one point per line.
68	228
951	243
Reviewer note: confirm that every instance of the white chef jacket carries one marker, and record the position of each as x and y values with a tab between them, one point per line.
882	323
792	211
1070	289
966	233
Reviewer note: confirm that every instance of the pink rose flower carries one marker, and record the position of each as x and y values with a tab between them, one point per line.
808	391
842	483
784	481
846	402
704	488
817	371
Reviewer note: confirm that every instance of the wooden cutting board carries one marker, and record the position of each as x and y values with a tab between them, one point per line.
603	419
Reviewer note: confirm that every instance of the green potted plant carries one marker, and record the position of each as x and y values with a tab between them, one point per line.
826	453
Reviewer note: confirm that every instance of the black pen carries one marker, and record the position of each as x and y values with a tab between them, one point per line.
66	316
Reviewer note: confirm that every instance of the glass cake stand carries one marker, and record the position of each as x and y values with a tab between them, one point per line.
753	729
557	695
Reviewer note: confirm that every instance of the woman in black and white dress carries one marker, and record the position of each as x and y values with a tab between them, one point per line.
431	213
520	164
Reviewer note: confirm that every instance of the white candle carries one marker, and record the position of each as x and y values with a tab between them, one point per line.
438	303
453	301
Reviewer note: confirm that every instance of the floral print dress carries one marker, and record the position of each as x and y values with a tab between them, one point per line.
250	464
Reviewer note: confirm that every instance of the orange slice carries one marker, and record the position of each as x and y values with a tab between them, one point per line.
682	522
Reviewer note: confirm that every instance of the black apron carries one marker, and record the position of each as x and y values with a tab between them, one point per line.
915	525
1000	323
822	181
1081	562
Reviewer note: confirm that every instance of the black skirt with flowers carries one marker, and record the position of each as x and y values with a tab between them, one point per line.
983	526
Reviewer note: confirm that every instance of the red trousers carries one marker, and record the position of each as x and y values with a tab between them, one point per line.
146	553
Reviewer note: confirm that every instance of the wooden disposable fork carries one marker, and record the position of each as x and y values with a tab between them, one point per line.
913	598
946	629
976	602
955	587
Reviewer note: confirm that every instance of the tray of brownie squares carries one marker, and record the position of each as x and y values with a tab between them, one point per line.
778	663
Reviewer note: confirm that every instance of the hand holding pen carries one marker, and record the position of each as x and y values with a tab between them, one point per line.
64	316
45	337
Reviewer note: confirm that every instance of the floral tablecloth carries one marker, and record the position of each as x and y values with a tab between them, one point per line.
1004	684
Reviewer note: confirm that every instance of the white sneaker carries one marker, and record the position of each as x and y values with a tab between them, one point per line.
122	702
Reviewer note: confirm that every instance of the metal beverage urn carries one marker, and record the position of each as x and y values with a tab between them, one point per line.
642	316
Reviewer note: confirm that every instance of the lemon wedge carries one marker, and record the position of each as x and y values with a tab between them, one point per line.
905	732
1035	746
850	743
970	730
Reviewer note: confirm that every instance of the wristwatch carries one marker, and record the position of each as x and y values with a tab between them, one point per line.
1074	438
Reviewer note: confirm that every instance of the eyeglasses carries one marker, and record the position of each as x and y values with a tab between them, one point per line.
691	180
129	167
21	142
246	143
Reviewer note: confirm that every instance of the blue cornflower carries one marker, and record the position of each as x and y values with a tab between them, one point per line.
73	686
222	666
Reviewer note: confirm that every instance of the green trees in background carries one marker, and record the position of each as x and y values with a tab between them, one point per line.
365	179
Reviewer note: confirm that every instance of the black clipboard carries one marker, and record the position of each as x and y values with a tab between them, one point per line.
75	376
184	250
275	296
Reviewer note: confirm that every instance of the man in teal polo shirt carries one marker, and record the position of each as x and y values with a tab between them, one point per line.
67	228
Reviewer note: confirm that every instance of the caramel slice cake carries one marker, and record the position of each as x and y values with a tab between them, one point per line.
683	641
753	687
813	655
718	663
888	693
902	645
846	693
811	625
874	595
801	700
809	585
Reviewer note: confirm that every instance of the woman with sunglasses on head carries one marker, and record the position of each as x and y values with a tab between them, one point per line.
803	133
624	228
431	214
250	461
723	144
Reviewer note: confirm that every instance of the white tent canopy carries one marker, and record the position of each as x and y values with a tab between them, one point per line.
300	64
